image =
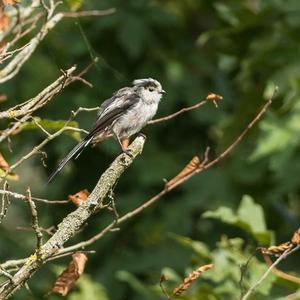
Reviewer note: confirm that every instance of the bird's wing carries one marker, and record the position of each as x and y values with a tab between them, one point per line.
110	110
118	96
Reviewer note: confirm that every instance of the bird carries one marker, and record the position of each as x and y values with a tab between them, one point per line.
123	115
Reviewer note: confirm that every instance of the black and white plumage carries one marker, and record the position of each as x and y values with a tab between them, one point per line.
122	115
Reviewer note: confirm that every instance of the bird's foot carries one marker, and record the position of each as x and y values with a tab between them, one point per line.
128	152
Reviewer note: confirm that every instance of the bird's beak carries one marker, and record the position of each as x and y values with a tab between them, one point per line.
163	92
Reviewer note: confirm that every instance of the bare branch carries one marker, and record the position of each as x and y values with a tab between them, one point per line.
23	197
38	148
14	66
72	223
26	109
23	23
41	99
181	111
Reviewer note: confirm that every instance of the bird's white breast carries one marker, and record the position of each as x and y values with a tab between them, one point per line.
135	119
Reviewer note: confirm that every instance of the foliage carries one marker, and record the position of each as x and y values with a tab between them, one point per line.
239	49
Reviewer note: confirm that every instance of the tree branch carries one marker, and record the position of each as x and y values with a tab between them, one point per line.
39	100
72	223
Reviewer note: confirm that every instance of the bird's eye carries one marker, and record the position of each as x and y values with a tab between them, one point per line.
151	89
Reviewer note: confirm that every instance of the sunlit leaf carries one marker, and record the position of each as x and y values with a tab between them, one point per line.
249	216
51	126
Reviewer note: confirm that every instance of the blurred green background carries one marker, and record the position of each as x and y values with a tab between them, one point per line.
239	49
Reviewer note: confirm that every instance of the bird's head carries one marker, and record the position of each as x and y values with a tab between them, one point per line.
149	89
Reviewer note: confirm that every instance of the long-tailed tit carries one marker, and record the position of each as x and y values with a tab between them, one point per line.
122	115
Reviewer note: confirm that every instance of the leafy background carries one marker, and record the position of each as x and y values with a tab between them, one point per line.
237	48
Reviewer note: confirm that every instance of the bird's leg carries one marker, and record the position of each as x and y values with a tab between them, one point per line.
124	143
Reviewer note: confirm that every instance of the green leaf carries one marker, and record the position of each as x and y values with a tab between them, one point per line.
249	216
252	214
52	126
197	246
75	4
255	272
86	288
225	214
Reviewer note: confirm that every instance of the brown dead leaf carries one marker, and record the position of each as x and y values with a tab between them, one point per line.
2	96
214	98
79	197
66	281
188	169
190	279
3	163
4	21
277	250
10	2
4	166
296	237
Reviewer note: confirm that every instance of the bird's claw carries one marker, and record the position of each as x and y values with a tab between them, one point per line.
128	152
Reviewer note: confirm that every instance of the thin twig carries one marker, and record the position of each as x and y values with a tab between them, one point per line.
181	111
231	147
23	197
5	273
35	223
38	148
5	202
265	275
50	231
14	66
89	13
35	103
280	273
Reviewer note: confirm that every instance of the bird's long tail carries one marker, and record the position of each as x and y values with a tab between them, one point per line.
75	152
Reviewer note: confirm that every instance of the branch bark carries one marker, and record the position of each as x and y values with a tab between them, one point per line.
72	223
